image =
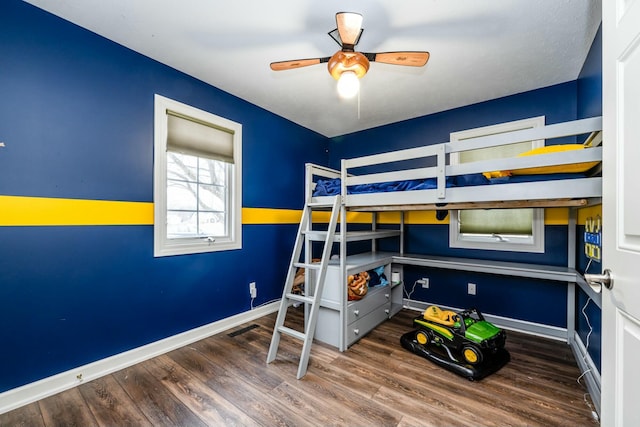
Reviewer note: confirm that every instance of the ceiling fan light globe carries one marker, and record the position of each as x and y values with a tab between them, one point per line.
348	84
347	61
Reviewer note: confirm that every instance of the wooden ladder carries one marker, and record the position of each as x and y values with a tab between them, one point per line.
288	298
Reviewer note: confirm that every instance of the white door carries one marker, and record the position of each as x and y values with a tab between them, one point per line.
621	213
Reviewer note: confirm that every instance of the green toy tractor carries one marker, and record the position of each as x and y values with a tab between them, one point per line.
463	342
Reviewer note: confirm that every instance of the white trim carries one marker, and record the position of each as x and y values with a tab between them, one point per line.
589	371
531	328
20	396
532	244
161	245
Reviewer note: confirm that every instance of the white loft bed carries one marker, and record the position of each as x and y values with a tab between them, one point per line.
562	192
337	319
338	326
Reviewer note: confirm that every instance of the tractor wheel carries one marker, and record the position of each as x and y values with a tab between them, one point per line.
423	338
471	355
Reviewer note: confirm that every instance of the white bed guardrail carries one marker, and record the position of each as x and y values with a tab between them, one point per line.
442	170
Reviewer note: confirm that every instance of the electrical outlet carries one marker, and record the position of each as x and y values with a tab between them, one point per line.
425	283
471	288
253	291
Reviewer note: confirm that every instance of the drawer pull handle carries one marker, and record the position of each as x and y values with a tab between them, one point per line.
386	311
356	312
386	296
356	331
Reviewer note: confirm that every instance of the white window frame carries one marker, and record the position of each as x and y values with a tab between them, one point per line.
167	247
533	243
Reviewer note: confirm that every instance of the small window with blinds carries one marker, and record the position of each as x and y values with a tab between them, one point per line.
517	230
197	177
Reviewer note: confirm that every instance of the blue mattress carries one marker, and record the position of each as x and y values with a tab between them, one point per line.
331	187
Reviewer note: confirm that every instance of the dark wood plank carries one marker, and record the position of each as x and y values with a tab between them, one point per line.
26	416
240	362
261	406
154	400
67	409
110	404
317	394
212	408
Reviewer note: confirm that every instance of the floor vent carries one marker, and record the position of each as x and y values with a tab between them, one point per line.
243	330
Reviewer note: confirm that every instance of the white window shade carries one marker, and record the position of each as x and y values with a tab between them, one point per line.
490	153
497	221
190	136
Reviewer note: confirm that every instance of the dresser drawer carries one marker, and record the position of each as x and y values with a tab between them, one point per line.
374	299
362	326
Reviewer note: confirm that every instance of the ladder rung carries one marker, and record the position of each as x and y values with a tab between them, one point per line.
315	266
301	298
292	332
320	205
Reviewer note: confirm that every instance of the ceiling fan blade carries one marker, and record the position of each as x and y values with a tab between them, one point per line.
414	59
349	27
297	63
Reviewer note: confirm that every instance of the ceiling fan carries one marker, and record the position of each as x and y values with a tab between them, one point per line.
347	65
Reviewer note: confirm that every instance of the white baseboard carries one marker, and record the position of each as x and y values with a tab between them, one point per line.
35	391
590	373
532	328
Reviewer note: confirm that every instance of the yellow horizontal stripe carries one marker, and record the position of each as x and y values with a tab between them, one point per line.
590	212
292	216
270	216
553	216
359	217
556	216
41	211
45	211
423	217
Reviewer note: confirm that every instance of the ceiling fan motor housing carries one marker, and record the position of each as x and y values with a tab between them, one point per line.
348	61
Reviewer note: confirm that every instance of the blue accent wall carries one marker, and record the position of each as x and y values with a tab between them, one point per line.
77	119
589	320
590	81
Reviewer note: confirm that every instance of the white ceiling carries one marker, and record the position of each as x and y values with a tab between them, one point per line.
480	50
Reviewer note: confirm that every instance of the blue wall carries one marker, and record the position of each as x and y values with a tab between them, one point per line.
590	81
589	320
77	120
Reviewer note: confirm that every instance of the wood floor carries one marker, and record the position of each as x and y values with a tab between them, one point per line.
224	380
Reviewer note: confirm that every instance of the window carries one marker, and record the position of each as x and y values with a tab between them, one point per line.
518	230
197	180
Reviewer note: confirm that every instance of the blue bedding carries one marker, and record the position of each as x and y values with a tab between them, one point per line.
331	187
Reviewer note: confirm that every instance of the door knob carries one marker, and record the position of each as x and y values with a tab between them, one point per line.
596	281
